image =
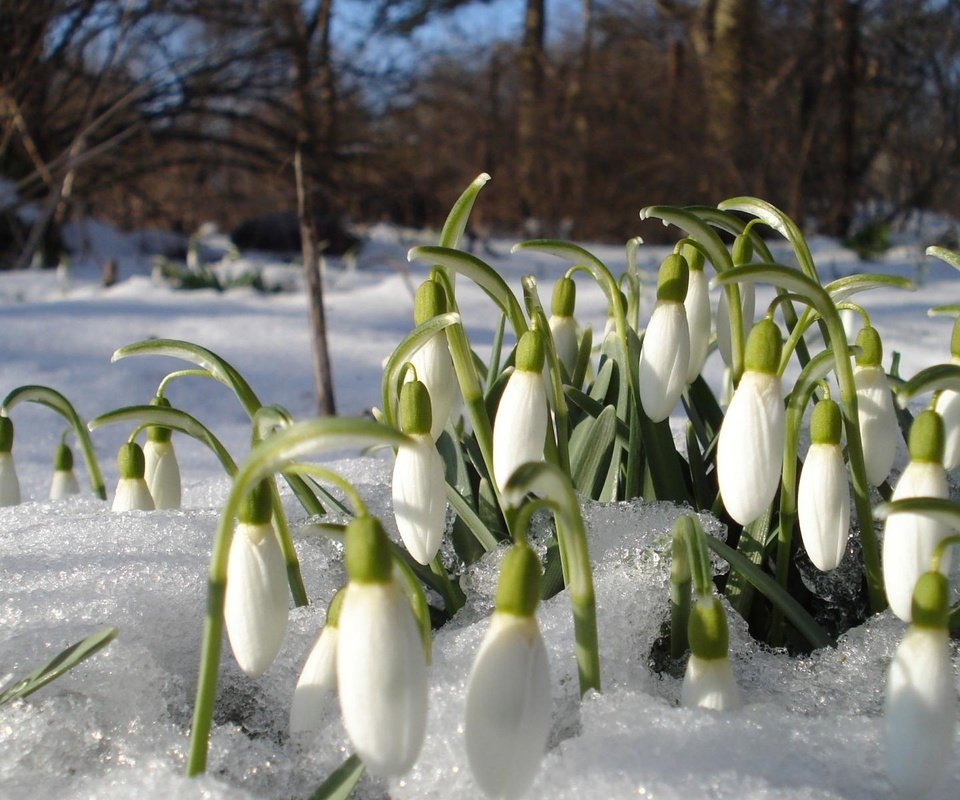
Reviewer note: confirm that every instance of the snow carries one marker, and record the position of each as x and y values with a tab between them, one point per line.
117	726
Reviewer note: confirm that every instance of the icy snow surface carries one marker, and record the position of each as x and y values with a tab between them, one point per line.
117	726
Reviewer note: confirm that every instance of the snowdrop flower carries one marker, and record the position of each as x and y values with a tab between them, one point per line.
255	607
508	708
381	666
432	361
709	682
909	540
9	485
750	448
948	407
823	498
563	327
161	471
920	708
520	426
877	416
742	253
419	482
64	481
665	355
315	693
699	314
132	493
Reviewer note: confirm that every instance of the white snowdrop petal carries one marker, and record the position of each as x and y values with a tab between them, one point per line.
255	607
435	371
664	360
699	317
823	505
9	484
909	540
315	694
520	426
564	331
381	677
63	484
948	407
750	448
132	495
508	707
419	497
878	422
920	711
709	683
748	305
162	473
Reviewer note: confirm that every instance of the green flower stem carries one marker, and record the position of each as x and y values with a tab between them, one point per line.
328	475
941	548
818	297
51	398
268	457
547	481
453	600
857	309
181	373
418	602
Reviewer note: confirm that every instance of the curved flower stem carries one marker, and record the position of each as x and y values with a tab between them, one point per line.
51	398
182	373
818	297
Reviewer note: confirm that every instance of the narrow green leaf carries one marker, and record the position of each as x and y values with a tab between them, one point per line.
696	228
471	519
932	379
751	547
459	215
583	357
947	256
496	351
951	309
589	461
341	781
844	288
594	409
578	255
703	492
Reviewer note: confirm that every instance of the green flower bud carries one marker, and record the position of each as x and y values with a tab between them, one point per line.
130	461
742	250
518	588
707	630
6	434
673	278
826	423
871	348
429	301
926	437
694	257
367	555
564	297
764	345
530	352
256	508
63	458
931	597
416	414
157	433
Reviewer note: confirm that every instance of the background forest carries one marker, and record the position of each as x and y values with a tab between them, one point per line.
169	113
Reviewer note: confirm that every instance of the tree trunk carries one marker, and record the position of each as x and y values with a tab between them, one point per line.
530	95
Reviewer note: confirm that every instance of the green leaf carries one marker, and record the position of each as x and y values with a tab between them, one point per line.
496	351
61	663
456	222
578	255
696	228
948	256
473	522
583	357
951	309
703	492
341	781
590	451
931	379
844	288
751	548
595	409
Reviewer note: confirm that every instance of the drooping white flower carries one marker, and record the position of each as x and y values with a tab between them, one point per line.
709	681
255	607
162	473
563	326
509	707
434	367
9	484
520	426
699	316
920	708
750	447
823	497
132	493
315	694
909	540
64	482
665	354
381	666
876	413
419	482
948	407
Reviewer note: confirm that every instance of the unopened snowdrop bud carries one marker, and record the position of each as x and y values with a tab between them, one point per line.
64	481
419	482
520	426
750	449
563	327
823	498
920	708
381	666
948	407
508	708
315	693
665	356
909	540
161	471
742	252
9	484
132	492
699	315
708	681
432	361
876	413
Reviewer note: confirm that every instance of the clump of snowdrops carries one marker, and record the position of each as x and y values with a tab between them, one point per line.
550	417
